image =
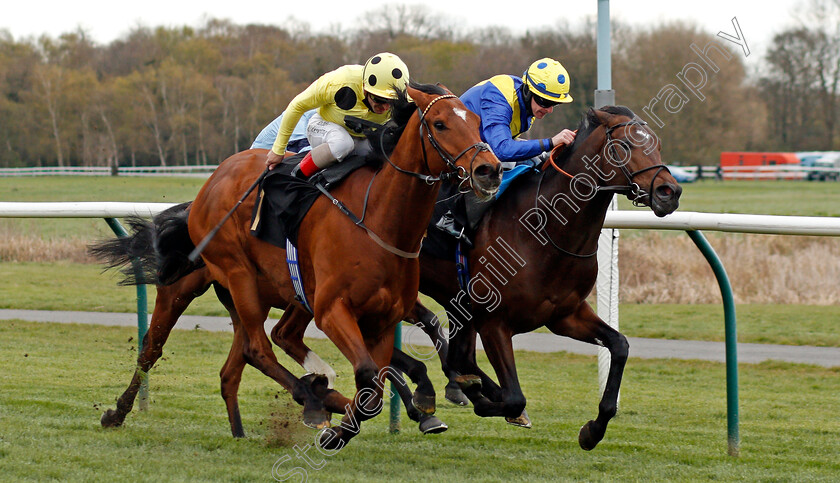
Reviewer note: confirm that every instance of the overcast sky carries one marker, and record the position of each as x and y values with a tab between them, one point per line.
108	20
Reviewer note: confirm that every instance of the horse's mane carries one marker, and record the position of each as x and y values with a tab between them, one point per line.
588	123
402	108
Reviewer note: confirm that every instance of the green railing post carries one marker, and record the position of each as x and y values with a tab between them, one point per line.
142	319
394	424
731	339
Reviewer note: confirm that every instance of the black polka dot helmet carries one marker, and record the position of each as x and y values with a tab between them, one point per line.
548	79
383	73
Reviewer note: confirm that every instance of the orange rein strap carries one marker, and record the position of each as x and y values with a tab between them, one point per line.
556	151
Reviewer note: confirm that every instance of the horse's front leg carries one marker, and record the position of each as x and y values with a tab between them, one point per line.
498	345
341	326
430	324
585	325
288	335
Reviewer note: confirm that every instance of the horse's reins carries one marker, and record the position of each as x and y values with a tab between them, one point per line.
632	188
456	172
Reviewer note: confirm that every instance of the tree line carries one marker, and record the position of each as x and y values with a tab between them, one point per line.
181	96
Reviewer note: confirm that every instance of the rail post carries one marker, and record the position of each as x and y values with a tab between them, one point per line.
142	318
394	421
731	339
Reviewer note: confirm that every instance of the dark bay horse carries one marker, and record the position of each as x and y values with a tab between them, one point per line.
359	290
534	261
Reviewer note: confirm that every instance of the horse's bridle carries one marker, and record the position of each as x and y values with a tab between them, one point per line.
460	173
454	170
632	189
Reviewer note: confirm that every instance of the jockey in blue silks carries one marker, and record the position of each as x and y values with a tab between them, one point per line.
507	106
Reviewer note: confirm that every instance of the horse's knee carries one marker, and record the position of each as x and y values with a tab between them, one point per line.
366	377
620	348
418	371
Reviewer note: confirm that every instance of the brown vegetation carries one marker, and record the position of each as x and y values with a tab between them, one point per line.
763	269
654	267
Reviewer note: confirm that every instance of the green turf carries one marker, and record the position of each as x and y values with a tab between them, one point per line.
57	379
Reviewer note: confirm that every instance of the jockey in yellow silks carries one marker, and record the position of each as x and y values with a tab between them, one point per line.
352	90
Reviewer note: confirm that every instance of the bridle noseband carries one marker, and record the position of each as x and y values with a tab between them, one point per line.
455	171
632	189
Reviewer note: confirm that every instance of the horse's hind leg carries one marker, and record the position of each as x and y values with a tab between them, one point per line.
586	326
170	303
498	345
424	395
420	406
231	373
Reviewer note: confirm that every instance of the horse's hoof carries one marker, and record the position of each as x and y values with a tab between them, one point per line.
426	404
468	382
586	439
455	395
523	421
332	439
318	384
111	419
432	425
316	419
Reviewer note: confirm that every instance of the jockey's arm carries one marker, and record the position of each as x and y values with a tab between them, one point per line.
311	98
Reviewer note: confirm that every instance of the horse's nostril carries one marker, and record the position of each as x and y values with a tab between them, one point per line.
665	192
485	171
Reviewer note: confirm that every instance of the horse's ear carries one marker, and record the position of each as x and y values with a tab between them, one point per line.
420	98
601	116
443	87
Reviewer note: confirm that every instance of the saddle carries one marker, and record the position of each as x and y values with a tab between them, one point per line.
283	200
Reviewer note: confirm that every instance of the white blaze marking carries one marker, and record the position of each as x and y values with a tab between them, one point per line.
643	134
460	113
316	365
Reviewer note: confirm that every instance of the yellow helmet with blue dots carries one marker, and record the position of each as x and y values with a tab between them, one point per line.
549	80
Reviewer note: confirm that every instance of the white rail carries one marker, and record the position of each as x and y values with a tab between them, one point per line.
69	209
681	220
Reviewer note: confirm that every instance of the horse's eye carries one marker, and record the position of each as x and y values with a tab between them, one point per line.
439	125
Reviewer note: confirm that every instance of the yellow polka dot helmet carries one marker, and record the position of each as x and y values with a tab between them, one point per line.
382	73
548	79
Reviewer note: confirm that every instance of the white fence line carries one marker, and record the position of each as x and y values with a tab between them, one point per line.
680	220
203	170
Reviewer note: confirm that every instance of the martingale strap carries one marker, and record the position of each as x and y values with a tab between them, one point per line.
294	272
461	267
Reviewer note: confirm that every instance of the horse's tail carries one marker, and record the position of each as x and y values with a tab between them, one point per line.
155	252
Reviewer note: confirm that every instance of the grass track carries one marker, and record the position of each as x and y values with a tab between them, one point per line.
672	425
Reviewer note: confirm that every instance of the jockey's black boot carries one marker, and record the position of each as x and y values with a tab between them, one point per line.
297	173
449	225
